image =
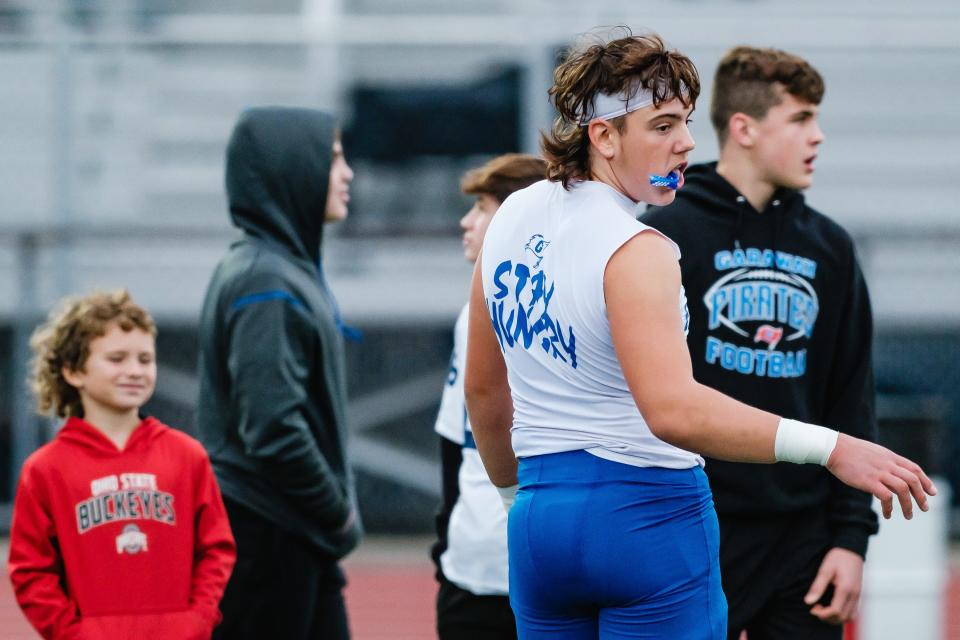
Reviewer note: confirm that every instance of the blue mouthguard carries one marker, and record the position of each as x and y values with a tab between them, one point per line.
671	181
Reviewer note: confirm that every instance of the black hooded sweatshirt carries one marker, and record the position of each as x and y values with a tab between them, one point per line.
779	319
272	410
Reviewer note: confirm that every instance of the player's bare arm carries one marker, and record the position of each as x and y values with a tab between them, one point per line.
487	391
679	410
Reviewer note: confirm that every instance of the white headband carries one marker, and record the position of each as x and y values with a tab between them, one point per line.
607	106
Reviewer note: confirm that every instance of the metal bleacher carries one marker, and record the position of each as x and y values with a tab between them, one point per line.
114	124
122	127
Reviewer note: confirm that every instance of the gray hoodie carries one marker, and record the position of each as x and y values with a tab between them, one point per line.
272	406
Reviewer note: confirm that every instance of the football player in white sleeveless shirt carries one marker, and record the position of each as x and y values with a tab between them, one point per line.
613	532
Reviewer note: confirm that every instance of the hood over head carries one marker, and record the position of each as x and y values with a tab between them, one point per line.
278	172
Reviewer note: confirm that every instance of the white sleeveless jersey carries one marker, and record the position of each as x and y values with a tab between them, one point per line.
476	554
543	262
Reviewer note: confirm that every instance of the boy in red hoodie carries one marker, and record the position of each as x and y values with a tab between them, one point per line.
118	528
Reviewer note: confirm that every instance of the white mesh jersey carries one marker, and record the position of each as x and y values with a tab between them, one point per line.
476	554
543	262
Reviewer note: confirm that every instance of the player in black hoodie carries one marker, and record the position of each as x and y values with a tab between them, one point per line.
779	319
272	408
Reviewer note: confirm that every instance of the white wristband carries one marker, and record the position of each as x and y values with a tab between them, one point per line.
804	443
507	495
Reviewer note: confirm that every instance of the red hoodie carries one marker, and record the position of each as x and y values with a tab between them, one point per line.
108	543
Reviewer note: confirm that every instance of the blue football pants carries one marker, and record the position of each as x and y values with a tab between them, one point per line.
601	549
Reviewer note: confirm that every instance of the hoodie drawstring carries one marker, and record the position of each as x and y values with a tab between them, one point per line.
774	210
775	206
738	230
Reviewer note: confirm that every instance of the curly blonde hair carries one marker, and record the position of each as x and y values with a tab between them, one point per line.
609	67
63	341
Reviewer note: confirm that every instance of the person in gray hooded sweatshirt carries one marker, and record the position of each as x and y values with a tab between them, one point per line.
271	412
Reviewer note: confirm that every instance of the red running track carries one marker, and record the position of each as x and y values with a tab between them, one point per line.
390	595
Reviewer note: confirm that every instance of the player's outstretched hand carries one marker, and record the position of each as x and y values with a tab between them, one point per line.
875	469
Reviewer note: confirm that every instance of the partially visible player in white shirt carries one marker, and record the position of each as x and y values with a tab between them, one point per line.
472	526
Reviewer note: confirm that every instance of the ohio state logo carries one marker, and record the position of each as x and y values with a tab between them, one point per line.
132	540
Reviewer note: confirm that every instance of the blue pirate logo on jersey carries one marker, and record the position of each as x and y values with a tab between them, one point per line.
537	245
767	302
520	309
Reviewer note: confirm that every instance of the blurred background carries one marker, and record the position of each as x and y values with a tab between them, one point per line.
115	114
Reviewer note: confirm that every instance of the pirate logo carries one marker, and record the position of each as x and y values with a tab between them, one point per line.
785	304
768	334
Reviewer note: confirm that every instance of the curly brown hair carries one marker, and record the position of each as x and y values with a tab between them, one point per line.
503	175
609	67
747	81
63	341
